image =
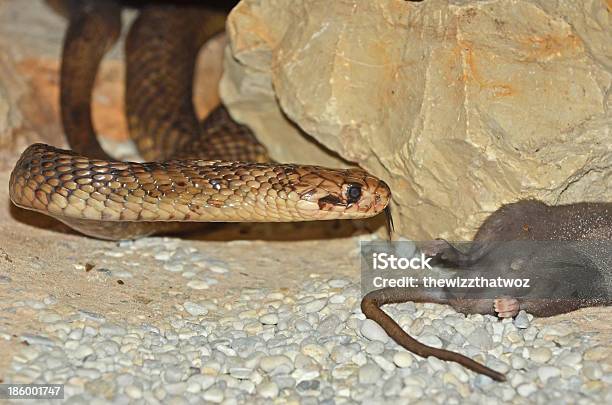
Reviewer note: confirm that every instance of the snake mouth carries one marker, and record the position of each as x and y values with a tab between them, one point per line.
329	201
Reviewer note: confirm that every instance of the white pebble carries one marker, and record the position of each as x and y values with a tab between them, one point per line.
110	329
218	269
213	395
527	389
49	317
305	374
459	372
403	359
431	340
82	351
193	388
174	267
173	374
76	334
315	306
344	371
29	353
373	331
163	255
53	363
269	319
36	340
596	353
518	362
198	285
35	304
411	391
369	374
549	332
375	347
317	352
247	386
337	299
480	338
569	359
338	283
133	392
385	364
302	325
177	388
276	363
195	309
203	380
159	393
92	316
540	354
111	253
436	364
241	373
88	373
498	365
592	370
522	320
359	358
268	390
507	394
546	372
228	351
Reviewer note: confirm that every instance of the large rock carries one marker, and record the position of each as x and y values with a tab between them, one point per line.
460	105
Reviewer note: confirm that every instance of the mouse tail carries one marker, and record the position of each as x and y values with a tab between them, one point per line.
371	307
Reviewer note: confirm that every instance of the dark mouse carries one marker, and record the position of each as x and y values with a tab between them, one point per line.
569	262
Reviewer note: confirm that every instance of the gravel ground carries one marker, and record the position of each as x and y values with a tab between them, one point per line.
303	340
168	320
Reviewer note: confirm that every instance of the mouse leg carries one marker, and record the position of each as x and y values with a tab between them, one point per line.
506	307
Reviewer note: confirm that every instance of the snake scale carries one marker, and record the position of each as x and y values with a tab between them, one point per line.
210	171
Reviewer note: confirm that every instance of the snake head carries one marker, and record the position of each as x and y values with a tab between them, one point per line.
344	194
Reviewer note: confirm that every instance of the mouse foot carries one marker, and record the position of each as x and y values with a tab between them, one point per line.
506	307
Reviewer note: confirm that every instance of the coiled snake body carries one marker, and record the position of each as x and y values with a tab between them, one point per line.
210	171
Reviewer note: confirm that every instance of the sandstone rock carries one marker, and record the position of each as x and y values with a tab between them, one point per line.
460	105
30	51
30	45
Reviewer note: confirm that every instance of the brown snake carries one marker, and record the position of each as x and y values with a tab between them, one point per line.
214	171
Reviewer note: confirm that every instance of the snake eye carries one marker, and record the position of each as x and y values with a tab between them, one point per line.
353	193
